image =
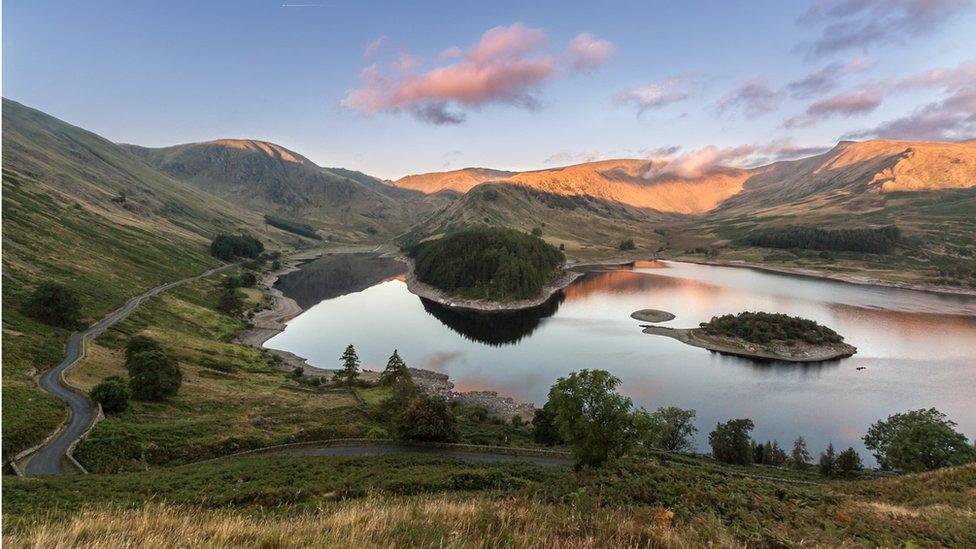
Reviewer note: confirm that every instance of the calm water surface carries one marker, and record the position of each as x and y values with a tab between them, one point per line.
915	349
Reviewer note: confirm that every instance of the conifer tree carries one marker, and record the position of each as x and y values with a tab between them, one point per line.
350	367
395	370
800	456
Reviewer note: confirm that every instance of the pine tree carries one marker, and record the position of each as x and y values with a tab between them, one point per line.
848	462
350	367
828	461
800	456
395	369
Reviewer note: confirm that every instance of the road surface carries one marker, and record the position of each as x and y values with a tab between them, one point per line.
49	459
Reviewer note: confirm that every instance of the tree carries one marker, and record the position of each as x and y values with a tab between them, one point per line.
229	247
828	461
55	304
138	344
427	419
848	462
800	457
730	441
395	369
248	279
591	416
153	375
677	428
544	429
627	244
536	231
229	302
918	440
113	394
350	367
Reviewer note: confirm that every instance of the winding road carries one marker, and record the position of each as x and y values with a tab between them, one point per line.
50	457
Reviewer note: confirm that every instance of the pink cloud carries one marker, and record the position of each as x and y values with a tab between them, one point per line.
842	104
826	78
589	52
450	53
656	95
505	66
753	97
695	163
374	47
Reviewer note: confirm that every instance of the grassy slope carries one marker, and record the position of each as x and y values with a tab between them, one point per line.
397	500
60	223
231	398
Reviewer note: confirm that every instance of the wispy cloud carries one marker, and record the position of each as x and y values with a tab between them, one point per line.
752	98
505	66
589	52
861	24
826	78
843	104
374	47
657	94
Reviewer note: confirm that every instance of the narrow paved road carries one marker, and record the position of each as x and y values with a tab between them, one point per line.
49	459
383	450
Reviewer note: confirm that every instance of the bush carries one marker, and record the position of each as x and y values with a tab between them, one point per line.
113	394
765	327
495	263
153	375
55	304
848	462
627	244
919	440
248	279
138	344
730	441
230	302
428	419
229	247
591	416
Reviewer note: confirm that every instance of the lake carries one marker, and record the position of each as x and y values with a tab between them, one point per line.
915	349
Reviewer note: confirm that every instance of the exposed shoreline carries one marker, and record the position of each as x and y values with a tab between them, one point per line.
487	306
696	337
809	272
270	322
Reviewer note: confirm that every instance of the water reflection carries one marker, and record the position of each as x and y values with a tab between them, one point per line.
334	275
494	329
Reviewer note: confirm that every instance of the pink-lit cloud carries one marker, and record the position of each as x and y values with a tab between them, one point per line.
374	47
656	95
843	104
953	116
826	78
589	52
505	66
861	24
698	162
752	98
452	52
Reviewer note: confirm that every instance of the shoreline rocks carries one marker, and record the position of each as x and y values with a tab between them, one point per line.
775	350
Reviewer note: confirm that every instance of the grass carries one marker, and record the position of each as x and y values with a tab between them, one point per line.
426	500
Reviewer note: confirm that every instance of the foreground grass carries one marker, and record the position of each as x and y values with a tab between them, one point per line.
429	501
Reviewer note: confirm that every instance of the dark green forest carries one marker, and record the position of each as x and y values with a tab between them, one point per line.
494	263
877	240
295	227
765	327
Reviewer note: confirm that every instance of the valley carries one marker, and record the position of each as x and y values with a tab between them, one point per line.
110	221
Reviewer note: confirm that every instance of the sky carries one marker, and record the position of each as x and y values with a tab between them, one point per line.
394	88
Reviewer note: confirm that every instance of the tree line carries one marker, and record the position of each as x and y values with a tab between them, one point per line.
295	227
488	262
878	240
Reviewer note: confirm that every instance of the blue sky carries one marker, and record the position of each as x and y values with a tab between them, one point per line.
646	79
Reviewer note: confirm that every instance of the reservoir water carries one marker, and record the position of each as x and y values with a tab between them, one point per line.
915	349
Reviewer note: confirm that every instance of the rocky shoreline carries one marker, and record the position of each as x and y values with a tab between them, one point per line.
798	352
272	320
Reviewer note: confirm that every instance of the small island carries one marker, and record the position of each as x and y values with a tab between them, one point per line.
763	336
652	315
488	270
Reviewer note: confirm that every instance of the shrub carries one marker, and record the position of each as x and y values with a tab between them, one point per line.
113	394
138	344
591	416
229	247
248	279
730	441
536	231
153	375
627	244
230	302
848	462
495	263
54	304
428	419
919	440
